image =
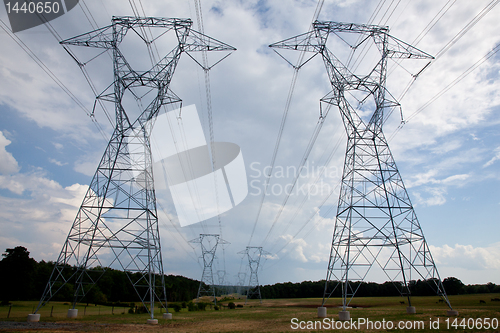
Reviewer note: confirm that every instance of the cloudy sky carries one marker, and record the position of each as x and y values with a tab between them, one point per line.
448	152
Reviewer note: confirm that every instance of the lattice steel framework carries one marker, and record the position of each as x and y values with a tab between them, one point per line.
221	277
208	244
241	282
117	223
253	253
375	222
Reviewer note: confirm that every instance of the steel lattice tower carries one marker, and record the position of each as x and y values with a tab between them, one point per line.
117	223
241	282
221	277
221	282
208	244
253	253
375	222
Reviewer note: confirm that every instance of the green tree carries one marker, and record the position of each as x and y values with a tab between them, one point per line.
18	275
453	286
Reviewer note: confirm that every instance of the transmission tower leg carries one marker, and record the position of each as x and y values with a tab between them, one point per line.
376	224
132	240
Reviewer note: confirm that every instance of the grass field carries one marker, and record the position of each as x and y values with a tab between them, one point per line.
270	316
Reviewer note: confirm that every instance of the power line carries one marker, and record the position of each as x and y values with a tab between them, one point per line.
208	96
305	224
49	72
304	159
317	11
444	49
467	27
318	178
478	63
95	25
176	229
433	22
442	11
370	20
366	47
392	12
58	37
458	79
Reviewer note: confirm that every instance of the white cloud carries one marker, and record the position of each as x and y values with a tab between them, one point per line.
8	163
41	219
435	196
493	159
58	145
249	90
56	162
421	178
35	182
297	247
446	147
87	163
467	256
429	178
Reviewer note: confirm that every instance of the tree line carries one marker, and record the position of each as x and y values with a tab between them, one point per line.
306	289
23	278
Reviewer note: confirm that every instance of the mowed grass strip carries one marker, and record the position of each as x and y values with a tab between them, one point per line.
273	315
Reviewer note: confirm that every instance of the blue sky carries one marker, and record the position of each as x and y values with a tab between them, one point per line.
448	154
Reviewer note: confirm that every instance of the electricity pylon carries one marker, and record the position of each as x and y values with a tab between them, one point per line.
117	223
375	222
241	282
221	282
221	277
208	244
253	253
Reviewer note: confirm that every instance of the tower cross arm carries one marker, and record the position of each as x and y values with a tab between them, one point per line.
160	22
396	48
105	37
99	38
197	42
333	27
306	42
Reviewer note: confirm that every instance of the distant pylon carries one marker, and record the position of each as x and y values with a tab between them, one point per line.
221	281
117	223
221	277
253	253
208	244
375	222
241	282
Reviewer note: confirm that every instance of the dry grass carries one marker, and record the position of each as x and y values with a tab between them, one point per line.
271	316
